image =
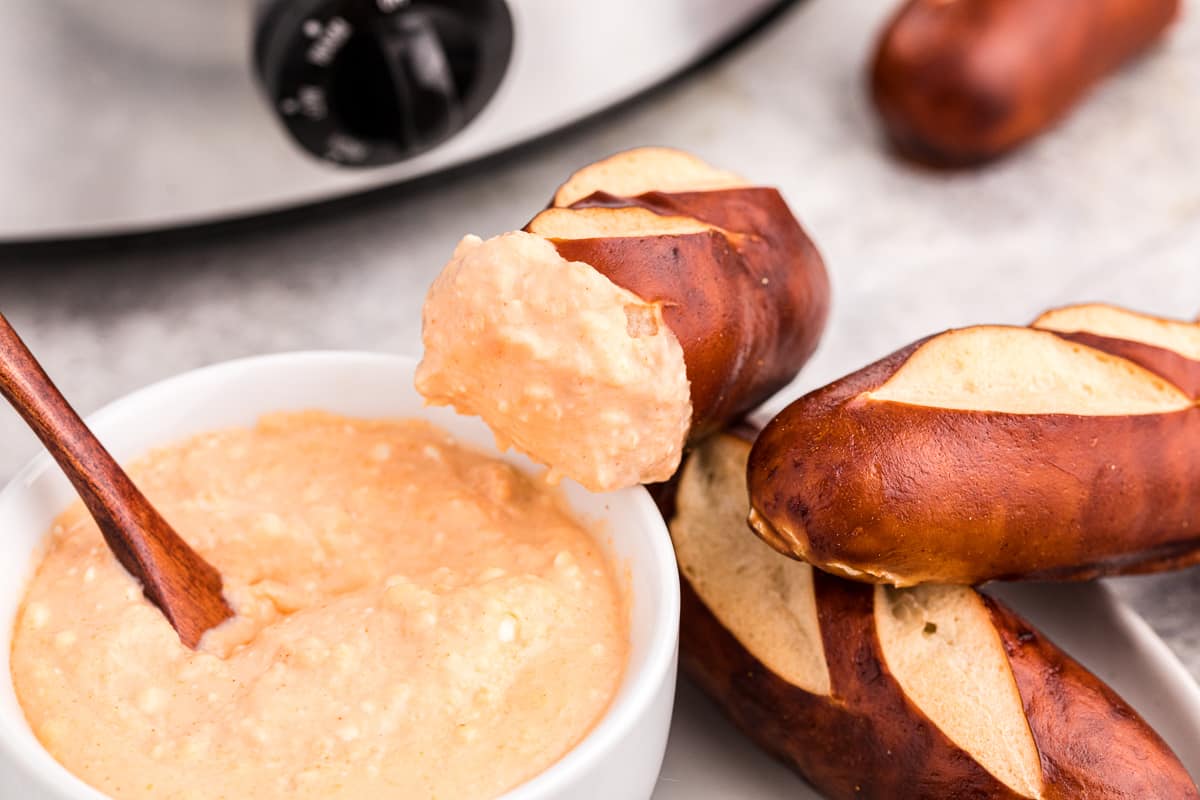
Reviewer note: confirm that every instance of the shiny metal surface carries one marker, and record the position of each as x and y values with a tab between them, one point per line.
127	115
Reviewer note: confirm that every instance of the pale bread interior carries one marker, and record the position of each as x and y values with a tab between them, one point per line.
1119	323
764	599
645	169
941	646
1024	371
594	223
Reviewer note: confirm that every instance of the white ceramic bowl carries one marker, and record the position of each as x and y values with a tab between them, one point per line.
620	758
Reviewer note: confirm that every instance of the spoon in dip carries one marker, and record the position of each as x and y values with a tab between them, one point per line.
185	587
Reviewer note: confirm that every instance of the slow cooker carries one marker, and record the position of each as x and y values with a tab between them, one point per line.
130	115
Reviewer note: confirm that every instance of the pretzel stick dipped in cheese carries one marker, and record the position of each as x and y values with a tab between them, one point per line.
654	301
984	453
869	692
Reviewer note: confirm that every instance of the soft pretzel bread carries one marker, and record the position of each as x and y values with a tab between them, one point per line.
959	82
984	453
899	694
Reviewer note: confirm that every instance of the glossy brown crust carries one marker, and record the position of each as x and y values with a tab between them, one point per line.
864	740
748	308
960	82
867	740
910	494
1179	370
1092	744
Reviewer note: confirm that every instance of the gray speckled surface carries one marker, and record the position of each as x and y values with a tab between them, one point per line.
1106	208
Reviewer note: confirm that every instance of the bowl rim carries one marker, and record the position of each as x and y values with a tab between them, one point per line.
639	689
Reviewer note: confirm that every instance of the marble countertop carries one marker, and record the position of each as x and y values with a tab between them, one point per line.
1105	208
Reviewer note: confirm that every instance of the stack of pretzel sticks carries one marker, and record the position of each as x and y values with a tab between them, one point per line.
621	336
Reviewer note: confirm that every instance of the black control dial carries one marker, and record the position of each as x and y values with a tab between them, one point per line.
363	83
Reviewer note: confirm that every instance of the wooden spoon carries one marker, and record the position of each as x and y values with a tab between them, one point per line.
185	587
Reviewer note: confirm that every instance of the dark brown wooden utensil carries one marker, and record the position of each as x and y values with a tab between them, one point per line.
174	577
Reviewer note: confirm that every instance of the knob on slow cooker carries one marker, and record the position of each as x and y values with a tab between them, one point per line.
371	82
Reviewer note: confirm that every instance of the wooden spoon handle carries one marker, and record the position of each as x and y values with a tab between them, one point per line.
174	577
93	472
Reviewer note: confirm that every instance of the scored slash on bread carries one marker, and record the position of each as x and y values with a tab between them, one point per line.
1011	370
614	223
645	169
876	692
984	453
1168	347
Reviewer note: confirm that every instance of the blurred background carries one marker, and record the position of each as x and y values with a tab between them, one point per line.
118	127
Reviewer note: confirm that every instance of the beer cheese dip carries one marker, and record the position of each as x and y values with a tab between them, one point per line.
537	345
414	620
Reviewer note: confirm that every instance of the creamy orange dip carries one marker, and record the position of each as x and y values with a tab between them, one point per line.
559	361
414	620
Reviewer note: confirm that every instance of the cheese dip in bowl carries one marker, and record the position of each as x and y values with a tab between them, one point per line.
417	615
